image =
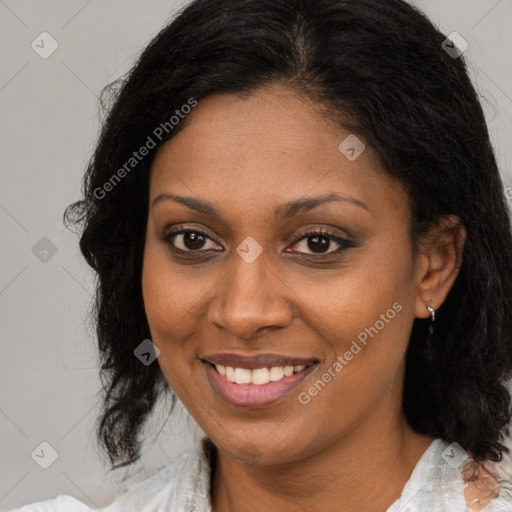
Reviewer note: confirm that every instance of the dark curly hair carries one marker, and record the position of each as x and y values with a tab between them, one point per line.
380	68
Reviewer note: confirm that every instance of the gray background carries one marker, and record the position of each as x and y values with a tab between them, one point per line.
48	126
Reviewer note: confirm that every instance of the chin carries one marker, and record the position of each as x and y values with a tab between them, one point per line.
262	451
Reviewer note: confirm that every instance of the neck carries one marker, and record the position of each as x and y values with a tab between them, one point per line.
363	470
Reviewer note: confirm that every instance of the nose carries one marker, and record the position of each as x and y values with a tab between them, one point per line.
250	298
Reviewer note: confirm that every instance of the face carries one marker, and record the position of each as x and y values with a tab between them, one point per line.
327	286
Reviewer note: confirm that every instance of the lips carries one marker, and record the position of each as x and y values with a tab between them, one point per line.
267	391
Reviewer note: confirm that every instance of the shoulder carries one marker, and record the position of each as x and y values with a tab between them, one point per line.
485	489
62	503
183	484
447	479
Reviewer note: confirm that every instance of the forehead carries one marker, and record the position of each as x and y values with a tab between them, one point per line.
258	149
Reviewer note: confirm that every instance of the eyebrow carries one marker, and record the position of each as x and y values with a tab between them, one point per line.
282	211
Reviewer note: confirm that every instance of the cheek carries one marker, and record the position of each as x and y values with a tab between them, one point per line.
167	302
363	314
166	311
169	297
343	303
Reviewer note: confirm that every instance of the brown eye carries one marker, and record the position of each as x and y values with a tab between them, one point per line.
318	242
188	240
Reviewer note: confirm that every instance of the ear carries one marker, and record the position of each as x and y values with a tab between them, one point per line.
438	262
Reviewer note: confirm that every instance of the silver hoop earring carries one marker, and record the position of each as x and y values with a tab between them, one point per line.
432	312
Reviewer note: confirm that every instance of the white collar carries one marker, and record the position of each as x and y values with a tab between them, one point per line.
184	485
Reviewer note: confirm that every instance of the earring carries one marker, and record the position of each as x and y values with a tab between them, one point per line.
432	312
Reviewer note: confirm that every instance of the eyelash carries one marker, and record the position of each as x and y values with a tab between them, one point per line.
344	243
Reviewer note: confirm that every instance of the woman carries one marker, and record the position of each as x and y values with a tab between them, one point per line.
299	228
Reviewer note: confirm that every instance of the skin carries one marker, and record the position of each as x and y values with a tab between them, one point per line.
349	448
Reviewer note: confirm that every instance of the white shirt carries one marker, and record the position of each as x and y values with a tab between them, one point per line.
435	485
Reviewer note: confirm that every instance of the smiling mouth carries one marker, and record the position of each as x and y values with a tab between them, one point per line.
258	386
256	380
259	376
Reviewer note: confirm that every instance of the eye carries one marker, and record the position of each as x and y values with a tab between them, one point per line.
319	240
188	240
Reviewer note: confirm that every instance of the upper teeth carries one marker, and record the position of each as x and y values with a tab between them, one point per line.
259	375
